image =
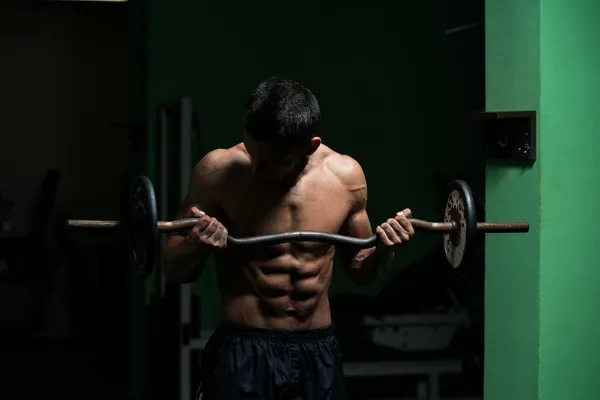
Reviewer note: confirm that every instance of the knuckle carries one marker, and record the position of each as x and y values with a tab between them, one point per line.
202	223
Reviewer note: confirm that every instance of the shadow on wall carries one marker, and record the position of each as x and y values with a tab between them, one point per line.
66	79
65	70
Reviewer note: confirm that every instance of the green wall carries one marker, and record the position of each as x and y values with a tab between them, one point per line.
570	255
512	261
540	324
380	78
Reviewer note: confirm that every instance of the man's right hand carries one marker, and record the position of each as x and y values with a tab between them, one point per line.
208	231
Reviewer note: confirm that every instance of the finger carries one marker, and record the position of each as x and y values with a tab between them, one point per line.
203	227
202	223
391	234
410	229
404	236
219	238
196	212
405	213
383	237
223	238
405	225
399	229
217	232
211	228
216	236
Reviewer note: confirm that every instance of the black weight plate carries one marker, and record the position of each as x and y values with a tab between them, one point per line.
460	209
142	229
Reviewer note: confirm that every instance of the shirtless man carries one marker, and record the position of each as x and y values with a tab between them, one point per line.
276	341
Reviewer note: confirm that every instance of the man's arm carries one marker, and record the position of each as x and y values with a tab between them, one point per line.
183	260
361	266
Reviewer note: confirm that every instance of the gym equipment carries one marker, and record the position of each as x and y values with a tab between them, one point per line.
142	235
460	211
459	228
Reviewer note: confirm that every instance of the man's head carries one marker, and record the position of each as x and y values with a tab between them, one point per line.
281	122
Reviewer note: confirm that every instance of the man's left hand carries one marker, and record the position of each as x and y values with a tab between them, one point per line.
397	230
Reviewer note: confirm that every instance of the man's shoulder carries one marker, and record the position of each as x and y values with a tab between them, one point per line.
225	157
219	162
346	169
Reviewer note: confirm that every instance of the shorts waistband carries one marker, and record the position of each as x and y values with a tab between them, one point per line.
276	335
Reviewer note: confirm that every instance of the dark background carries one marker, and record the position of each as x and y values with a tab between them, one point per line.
81	80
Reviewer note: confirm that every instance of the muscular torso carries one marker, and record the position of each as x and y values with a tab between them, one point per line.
283	286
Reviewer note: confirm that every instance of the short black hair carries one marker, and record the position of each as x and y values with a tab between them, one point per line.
282	109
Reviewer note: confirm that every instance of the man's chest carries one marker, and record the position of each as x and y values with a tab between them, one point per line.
312	204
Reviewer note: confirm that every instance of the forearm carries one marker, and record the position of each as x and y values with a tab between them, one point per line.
367	264
183	262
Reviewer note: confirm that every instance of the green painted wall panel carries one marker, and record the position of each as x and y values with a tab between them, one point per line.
512	193
541	332
570	255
